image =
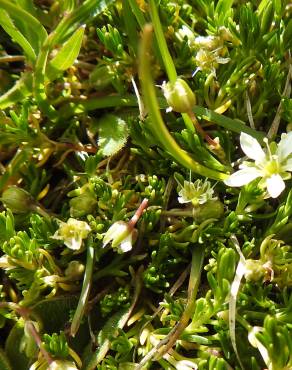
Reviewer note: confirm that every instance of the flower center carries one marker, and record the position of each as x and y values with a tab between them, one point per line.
271	168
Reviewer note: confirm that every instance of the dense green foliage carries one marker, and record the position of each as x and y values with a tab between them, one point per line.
126	239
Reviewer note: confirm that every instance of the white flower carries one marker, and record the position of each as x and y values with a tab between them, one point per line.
72	233
121	235
209	61
271	165
198	192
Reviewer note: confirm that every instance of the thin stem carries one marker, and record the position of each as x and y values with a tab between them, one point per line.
84	292
73	108
12	58
200	130
169	340
286	93
195	276
166	57
36	337
228	123
138	213
157	125
137	13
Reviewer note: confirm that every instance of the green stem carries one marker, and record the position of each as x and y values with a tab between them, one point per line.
70	109
39	82
195	276
166	57
157	125
137	13
84	292
228	123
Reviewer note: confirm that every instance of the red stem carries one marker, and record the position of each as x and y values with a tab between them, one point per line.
138	213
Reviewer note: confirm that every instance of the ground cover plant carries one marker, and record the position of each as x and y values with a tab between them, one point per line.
146	202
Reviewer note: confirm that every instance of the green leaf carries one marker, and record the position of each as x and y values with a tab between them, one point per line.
83	14
21	89
17	358
4	362
113	134
67	55
8	25
28	25
234	125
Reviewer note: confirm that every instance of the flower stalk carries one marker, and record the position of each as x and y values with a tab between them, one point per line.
157	125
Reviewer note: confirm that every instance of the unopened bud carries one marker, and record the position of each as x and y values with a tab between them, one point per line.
75	270
18	200
179	96
82	205
210	209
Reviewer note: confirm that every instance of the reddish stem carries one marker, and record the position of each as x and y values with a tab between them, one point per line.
138	213
33	332
199	129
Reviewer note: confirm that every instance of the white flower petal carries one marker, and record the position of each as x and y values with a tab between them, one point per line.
251	147
182	200
73	243
285	146
126	244
242	177
114	232
275	185
287	166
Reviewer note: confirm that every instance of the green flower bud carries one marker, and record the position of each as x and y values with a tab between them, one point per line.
82	205
179	96
210	209
75	270
18	200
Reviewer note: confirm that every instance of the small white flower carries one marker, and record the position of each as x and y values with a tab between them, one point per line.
198	192
272	165
209	61
121	236
72	233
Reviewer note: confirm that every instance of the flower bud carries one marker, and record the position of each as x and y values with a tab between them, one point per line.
179	96
210	209
74	270
18	200
82	205
121	236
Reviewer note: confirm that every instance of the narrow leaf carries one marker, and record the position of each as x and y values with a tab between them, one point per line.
21	89
30	27
67	55
8	25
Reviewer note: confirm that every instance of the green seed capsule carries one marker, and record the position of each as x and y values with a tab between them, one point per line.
18	200
179	96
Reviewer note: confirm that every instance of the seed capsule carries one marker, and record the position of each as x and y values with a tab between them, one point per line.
179	96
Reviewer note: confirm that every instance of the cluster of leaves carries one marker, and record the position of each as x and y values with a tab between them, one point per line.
82	143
